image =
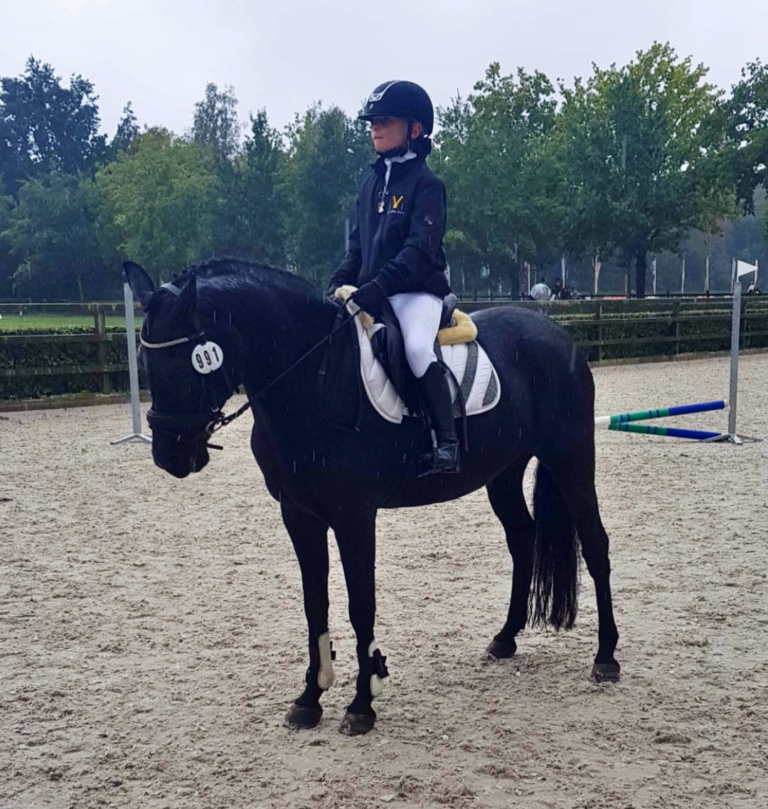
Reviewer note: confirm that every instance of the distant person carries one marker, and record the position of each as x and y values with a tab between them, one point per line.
557	289
753	289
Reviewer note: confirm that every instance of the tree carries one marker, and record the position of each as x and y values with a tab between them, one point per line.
327	156
493	156
127	130
637	147
215	121
747	122
7	262
254	216
45	126
158	204
52	235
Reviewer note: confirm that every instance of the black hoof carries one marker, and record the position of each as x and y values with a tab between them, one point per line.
501	650
357	724
302	718
606	672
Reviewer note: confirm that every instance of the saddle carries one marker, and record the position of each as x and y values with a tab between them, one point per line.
386	375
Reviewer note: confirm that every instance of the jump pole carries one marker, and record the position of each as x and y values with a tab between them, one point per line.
670	432
613	422
624	422
133	373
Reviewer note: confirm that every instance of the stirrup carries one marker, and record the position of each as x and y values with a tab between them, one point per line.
443	460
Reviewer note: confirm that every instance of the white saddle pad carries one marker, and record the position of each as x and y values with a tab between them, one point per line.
470	364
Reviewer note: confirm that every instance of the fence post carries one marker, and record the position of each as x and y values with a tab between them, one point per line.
599	316
100	323
676	317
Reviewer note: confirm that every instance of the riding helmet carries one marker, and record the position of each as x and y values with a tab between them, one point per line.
400	99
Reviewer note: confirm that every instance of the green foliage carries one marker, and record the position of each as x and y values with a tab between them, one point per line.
632	332
747	128
51	231
45	126
127	130
7	262
326	158
631	161
635	144
642	332
58	353
215	121
159	203
253	221
493	157
56	323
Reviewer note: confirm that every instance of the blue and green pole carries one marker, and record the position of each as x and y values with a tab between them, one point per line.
624	422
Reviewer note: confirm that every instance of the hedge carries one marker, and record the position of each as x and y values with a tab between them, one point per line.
620	320
24	354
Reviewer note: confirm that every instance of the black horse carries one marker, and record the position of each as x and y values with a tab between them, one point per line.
266	323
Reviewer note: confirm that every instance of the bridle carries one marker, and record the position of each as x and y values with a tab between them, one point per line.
189	428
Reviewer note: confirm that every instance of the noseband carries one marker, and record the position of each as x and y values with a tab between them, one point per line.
181	427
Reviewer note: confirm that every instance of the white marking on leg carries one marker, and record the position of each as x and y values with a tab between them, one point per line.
377	684
325	676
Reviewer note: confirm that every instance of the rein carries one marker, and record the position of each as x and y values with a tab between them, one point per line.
217	419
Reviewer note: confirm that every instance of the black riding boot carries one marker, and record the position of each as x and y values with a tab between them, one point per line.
436	395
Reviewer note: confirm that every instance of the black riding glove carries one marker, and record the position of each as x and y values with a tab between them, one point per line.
370	298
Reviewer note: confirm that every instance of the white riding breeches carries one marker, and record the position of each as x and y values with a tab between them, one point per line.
419	316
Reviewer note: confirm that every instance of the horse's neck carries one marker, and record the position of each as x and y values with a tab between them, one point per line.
277	330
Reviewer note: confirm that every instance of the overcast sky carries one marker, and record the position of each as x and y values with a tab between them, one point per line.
285	54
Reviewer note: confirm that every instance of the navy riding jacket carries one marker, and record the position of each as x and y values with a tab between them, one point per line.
397	238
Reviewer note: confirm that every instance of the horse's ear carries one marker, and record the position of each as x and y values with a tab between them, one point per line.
187	303
139	281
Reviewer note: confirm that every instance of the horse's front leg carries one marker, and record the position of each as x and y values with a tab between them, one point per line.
310	541
356	537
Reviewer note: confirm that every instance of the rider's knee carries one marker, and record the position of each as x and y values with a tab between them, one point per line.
420	356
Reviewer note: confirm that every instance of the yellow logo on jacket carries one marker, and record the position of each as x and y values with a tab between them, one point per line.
396	202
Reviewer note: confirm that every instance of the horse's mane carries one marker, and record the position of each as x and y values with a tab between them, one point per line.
228	270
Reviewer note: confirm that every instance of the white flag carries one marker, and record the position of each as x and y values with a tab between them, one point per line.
742	268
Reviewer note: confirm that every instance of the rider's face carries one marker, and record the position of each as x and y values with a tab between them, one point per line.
391	133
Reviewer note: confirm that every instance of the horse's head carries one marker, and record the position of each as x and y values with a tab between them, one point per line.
192	365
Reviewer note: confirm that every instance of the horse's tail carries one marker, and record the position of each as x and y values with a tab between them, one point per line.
555	587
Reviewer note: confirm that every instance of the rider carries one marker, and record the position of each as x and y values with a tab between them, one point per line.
396	246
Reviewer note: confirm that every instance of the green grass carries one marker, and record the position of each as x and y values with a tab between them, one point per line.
37	322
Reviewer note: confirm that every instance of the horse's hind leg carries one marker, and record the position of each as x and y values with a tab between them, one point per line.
310	541
508	502
575	479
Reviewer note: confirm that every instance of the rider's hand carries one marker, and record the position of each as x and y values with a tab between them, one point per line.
370	298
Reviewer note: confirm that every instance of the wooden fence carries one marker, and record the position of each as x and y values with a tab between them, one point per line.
103	368
665	328
39	365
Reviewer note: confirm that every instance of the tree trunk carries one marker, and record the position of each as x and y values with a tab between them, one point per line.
596	267
80	288
640	269
522	281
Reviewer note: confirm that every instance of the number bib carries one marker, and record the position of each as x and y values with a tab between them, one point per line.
207	358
